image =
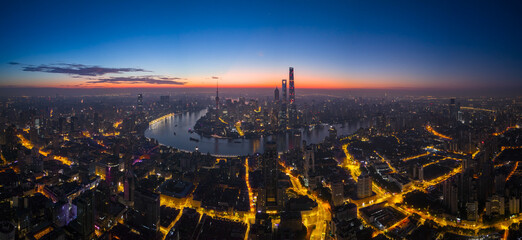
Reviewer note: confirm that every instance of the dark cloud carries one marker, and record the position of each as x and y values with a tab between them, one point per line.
215	77
13	63
77	69
160	80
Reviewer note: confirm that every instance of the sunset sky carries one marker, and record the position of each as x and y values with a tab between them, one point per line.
331	44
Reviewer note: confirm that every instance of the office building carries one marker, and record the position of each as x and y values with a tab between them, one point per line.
269	199
147	204
364	186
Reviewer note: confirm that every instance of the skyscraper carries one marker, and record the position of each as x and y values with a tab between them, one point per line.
283	88
217	95
291	89
292	112
309	161
270	198
129	187
450	196
84	223
147	204
140	102
276	94
364	186
338	193
282	113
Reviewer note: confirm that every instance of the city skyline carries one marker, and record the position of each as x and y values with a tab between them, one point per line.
249	45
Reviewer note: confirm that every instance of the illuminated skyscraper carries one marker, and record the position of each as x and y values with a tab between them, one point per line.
284	90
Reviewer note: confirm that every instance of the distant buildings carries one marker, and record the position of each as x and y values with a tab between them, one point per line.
140	102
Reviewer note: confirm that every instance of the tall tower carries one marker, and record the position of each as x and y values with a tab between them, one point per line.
276	94
282	113
217	94
292	111
291	89
283	87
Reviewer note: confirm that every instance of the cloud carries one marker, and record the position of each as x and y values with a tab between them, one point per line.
215	77
159	80
76	69
13	63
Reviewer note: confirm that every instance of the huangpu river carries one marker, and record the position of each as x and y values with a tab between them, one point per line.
174	131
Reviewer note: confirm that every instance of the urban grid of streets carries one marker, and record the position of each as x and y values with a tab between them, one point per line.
319	224
318	221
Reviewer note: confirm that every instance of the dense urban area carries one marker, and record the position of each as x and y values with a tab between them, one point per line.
425	167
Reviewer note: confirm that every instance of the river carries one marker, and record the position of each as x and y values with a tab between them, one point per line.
174	132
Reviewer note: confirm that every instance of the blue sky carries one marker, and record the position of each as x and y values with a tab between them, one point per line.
374	44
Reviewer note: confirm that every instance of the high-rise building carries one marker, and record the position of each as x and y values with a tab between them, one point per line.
140	102
453	109
276	94
129	187
338	193
309	161
364	186
269	197
472	211
84	223
495	205
217	95
514	205
418	172
283	88
147	204
292	111
450	195
283	112
164	100
291	88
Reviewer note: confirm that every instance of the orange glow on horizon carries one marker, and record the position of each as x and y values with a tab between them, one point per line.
253	79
